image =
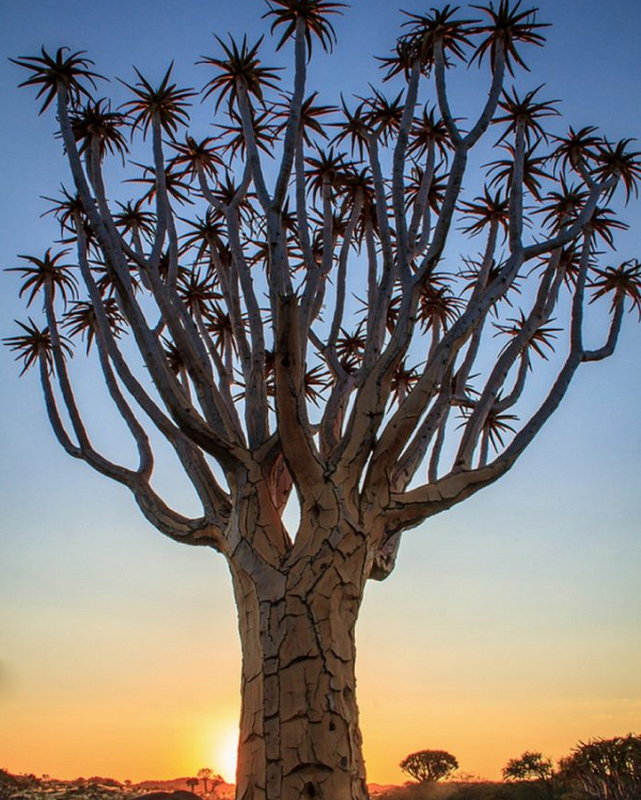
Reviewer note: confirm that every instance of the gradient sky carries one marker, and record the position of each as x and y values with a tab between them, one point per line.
511	622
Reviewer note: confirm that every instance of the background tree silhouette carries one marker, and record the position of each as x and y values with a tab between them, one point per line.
531	766
608	769
209	778
239	383
429	766
528	766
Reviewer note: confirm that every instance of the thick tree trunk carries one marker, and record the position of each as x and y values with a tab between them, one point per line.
299	732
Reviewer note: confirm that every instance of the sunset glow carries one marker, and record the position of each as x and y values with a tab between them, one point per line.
225	755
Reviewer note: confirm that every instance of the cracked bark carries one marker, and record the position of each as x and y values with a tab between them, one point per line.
299	731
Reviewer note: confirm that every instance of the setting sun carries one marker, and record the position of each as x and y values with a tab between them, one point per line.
226	753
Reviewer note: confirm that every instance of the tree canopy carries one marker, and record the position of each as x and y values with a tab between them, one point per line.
429	766
607	769
529	766
414	358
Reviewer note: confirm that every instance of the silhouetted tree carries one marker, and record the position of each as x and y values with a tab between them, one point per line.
531	766
209	778
606	769
429	766
233	283
192	783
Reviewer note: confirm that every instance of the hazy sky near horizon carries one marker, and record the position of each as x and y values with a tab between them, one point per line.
511	622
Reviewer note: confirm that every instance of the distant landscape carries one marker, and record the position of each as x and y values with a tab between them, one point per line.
32	787
602	769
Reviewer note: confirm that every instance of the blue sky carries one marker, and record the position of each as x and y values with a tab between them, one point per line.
516	614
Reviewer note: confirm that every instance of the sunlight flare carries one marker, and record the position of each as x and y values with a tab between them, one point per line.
226	754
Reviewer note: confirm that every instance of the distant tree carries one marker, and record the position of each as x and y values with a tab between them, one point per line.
531	766
606	769
218	303
209	778
205	774
429	766
192	783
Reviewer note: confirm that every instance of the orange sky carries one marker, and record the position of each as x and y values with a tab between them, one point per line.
140	681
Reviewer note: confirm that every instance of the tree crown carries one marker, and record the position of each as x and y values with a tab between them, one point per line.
231	271
428	766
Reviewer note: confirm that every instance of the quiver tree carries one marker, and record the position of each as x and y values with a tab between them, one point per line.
209	778
290	305
606	769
